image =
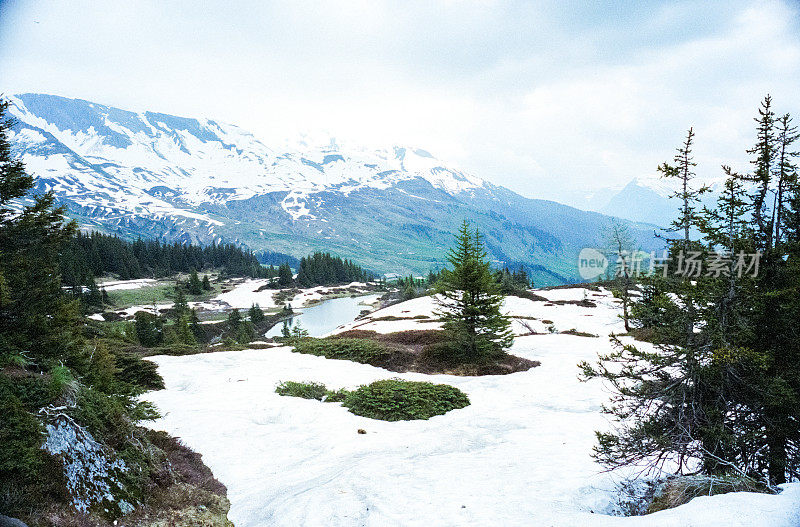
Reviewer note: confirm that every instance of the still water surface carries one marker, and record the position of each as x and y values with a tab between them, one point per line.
323	318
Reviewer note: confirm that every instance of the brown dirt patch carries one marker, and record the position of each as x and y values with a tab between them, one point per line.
407	354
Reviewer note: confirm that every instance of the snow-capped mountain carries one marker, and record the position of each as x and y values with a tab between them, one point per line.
199	180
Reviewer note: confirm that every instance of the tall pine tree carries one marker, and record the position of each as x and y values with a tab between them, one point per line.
469	301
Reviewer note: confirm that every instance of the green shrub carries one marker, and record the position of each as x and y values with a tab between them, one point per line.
305	390
32	389
441	352
398	400
356	350
138	373
148	328
28	474
336	396
21	435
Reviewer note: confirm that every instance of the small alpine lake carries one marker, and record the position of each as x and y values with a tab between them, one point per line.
320	319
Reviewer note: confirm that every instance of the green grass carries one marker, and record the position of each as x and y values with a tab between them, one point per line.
160	293
156	294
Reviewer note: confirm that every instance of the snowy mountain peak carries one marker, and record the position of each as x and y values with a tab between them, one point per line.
201	180
202	161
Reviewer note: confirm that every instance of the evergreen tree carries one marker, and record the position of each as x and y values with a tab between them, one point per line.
183	331
722	387
195	286
764	152
49	375
206	283
194	323
255	314
93	297
148	328
469	301
36	320
688	216
180	309
298	332
785	173
234	320
285	278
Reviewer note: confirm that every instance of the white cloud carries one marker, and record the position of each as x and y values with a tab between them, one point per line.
545	98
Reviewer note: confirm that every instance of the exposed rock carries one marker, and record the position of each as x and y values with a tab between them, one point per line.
91	472
5	521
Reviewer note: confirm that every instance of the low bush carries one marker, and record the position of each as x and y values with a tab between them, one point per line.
441	352
137	372
390	318
357	350
398	400
407	338
304	390
577	333
336	396
311	390
419	336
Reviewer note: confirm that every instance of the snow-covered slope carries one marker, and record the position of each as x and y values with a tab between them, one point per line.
200	180
519	455
129	160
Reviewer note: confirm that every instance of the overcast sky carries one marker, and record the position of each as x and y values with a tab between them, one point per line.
550	99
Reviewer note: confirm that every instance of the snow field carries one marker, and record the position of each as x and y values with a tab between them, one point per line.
518	455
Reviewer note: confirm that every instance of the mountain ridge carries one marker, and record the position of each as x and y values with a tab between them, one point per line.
184	179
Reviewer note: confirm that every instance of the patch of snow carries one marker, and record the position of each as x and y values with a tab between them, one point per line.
245	294
124	285
520	454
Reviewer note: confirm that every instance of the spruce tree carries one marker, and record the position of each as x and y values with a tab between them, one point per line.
721	390
180	309
785	173
195	286
469	302
255	314
148	328
206	283
285	275
764	156
688	196
36	319
194	323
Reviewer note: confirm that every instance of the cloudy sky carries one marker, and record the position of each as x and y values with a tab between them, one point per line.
551	99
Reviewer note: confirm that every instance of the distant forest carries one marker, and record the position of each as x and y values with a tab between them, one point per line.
323	268
276	259
86	257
